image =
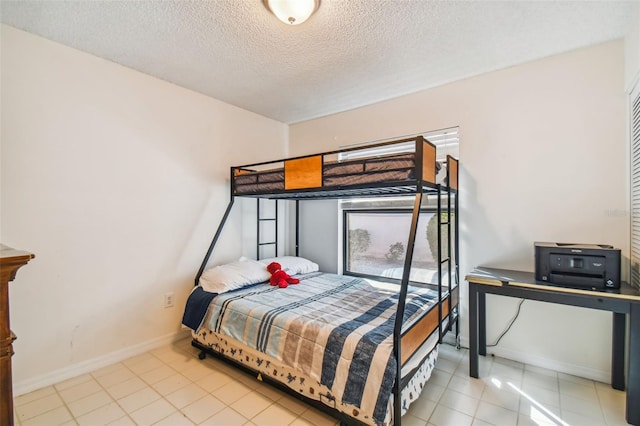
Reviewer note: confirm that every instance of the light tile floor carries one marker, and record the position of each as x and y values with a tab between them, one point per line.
170	386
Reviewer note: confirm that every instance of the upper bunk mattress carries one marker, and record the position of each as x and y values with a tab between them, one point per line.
387	168
335	174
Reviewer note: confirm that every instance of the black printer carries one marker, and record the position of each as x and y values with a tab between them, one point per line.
591	266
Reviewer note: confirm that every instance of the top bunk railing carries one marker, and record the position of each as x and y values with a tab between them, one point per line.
388	168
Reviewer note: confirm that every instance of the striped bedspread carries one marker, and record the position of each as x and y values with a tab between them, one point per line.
336	329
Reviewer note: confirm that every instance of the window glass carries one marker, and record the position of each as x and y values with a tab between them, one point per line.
376	244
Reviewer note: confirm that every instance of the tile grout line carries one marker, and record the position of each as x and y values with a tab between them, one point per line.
114	400
475	411
164	396
296	416
272	402
473	417
604	417
64	404
110	396
179	410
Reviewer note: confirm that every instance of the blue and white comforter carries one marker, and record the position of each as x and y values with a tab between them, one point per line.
336	329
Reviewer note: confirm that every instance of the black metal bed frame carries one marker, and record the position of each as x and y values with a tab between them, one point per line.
415	186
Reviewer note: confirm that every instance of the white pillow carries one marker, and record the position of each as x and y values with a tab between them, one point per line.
233	275
293	265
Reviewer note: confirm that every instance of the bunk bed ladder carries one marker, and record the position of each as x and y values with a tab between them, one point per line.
442	260
452	268
453	277
274	221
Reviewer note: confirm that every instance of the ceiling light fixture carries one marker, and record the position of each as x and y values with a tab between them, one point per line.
292	12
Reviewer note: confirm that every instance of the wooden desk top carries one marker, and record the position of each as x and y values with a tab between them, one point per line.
11	260
505	277
9	252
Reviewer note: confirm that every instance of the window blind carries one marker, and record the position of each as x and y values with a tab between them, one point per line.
635	187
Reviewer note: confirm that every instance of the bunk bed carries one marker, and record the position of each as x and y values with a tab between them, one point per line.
382	339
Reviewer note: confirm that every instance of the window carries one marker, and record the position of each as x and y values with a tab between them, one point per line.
375	244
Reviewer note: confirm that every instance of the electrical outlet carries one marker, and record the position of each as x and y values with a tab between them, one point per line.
168	299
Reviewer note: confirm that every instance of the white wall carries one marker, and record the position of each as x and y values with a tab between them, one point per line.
543	158
632	51
319	233
116	181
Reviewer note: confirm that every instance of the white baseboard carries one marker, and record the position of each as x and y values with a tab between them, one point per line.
71	371
551	364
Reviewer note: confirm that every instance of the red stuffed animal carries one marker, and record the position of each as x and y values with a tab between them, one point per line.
280	277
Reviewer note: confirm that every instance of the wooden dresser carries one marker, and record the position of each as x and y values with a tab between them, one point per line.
10	261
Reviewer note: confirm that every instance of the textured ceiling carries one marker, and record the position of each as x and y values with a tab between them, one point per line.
350	53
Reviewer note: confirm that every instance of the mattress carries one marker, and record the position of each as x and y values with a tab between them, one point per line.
420	370
336	174
329	338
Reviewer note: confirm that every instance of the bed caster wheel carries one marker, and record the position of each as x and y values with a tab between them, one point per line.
202	355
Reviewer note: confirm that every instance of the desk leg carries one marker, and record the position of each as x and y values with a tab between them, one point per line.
482	323
473	330
617	350
633	388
